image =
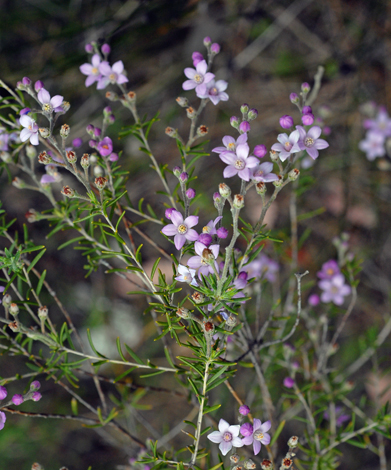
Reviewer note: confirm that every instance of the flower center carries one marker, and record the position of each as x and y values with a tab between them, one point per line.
47	107
206	229
288	145
182	229
330	272
227	436
198	78
113	77
214	91
334	290
231	146
239	164
94	71
31	127
106	147
308	141
258	435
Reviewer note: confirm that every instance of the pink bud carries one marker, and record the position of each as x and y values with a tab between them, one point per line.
215	48
286	121
38	85
106	49
260	151
307	119
244	127
17	399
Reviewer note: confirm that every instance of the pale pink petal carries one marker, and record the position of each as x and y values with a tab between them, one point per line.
104	68
47	179
176	218
219	149
312	152
208	77
314	132
237	442
43	96
223	425
225	447
257	447
215	250
189	84
194	262
321	144
257	424
215	437
227	139
34	139
95	60
278	148
199	248
179	241
266	439
234	430
170	230
202	67
118	67
25	120
230	171
191	235
86	69
190	73
265	426
228	157
252	162
248	440
245	174
242	139
25	134
102	83
191	220
221	85
242	150
91	79
122	79
56	101
282	138
294	137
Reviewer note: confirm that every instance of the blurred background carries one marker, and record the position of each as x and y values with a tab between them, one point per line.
268	48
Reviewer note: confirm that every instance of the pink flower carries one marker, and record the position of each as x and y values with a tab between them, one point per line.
227	437
215	91
329	270
289	382
382	123
244	410
373	145
30	130
17	399
181	229
230	143
4	142
105	147
334	289
310	141
210	227
287	145
3	390
256	434
263	173
197	76
50	104
3	419
111	74
36	396
91	70
239	163
199	262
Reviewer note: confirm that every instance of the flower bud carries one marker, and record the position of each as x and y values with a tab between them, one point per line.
260	188
88	48
7	300
183	177
31	151
190	193
20	86
24	111
31	215
305	88
244	127
215	48
3	392
205	239
231	322
38	85
18	183
68	192
44	158
97	132
198	298
244	410
183	102
216	198
252	114
202	130
209	327
44	132
36	396
111	119
43	312
111	95
35	385
266	465
64	131
17	399
244	109
183	313
177	171
294	98
293	174
306	110
93	143
238	201
76	143
279	182
90	129
224	190
234	121
260	151
286	121
191	112
168	213
249	464
6	157
307	119
293	442
26	81
222	232
71	156
98	171
171	132
105	49
14	309
100	182
85	161
197	57
207	41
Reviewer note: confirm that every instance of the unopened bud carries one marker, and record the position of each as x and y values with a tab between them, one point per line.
207	41
191	112
18	183
293	442
252	114
183	102
31	151
244	109
44	158
183	177
183	313
171	132
202	130
71	156
6	157
305	87
68	192
249	464
260	188
7	300
64	131
43	312
294	98
224	190
234	121
85	161
293	174
231	321
111	96
215	48
209	327
238	201
279	182
98	171
177	171
100	182
14	309
273	155
198	297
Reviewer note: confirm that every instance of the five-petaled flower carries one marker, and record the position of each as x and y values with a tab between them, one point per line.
181	229
197	76
111	74
310	141
287	145
334	289
264	173
186	275
227	437
92	70
200	262
239	163
105	147
30	130
50	104
215	91
256	434
230	143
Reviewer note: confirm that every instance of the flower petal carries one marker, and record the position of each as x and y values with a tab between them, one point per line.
215	437
191	220
170	230
118	67
179	241
191	235
176	218
43	96
314	132
256	447
230	171
225	447
223	426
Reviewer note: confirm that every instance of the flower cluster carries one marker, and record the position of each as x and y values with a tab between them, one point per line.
332	283
229	436
378	131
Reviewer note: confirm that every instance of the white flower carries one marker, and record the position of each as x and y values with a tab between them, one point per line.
227	436
30	130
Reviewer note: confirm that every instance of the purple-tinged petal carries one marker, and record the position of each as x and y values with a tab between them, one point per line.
194	262
176	218
312	152
245	174
242	139
189	85
91	79
230	171
321	144
34	140
191	235
118	67
252	162
179	241
247	440
95	60
170	230
223	425
237	442
278	148
242	150
190	73
257	424
47	179
234	430
256	447
282	138
314	132
270	177
122	79
219	149
191	220
104	68
25	120
199	248
266	439
102	83
25	134
44	96
265	426
86	69
201	67
225	447
227	139
228	157
215	437
56	101
208	77
215	250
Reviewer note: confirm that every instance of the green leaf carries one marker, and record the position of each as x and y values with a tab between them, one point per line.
278	432
40	282
134	355
209	409
92	345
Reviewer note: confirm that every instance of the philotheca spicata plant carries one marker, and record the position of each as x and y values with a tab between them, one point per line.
213	315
